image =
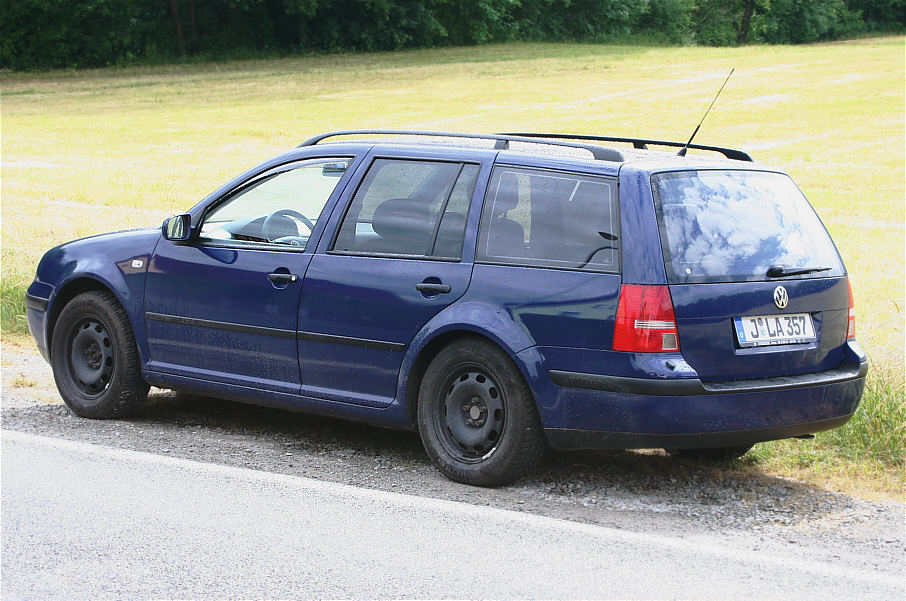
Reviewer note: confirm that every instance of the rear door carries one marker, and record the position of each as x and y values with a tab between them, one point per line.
395	261
549	254
758	288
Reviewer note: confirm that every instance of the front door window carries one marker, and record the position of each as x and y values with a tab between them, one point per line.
280	208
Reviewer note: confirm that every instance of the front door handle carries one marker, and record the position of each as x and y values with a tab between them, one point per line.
283	278
432	288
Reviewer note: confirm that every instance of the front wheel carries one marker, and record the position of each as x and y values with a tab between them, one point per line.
94	359
477	417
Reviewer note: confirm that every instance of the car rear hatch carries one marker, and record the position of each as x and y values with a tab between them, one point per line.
758	287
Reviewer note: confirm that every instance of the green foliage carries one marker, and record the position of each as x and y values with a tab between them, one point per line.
801	21
44	34
715	22
12	304
575	19
370	25
669	20
878	430
40	34
475	22
879	15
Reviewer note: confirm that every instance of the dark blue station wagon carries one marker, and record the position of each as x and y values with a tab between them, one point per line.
498	293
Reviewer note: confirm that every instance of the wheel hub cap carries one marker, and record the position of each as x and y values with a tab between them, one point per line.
91	356
474	414
475	410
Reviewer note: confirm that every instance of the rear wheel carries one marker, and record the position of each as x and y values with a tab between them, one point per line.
477	417
717	454
94	358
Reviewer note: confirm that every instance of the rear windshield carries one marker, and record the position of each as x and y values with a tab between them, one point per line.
733	226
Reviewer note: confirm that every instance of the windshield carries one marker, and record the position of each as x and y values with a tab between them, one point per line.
734	226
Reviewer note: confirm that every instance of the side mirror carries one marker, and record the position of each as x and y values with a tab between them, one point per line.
334	169
177	228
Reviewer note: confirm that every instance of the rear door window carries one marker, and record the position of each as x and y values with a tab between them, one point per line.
550	219
733	226
409	208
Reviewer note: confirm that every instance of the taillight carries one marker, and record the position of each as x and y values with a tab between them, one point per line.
645	320
851	324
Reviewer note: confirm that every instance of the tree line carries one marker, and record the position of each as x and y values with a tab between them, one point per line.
47	34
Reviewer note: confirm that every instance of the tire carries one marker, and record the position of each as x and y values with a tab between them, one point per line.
94	358
477	417
716	455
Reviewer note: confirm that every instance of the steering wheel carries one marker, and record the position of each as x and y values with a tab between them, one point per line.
271	230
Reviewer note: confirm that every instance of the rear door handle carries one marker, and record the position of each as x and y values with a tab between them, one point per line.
432	288
283	278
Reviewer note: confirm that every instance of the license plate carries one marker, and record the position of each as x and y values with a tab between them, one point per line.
769	330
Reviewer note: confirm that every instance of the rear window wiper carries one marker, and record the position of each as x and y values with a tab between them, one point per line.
779	271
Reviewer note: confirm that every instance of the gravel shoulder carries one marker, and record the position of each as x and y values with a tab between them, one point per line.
635	491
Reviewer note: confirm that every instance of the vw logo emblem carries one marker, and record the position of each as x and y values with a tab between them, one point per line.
781	298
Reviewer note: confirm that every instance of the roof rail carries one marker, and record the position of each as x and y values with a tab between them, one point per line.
600	153
642	143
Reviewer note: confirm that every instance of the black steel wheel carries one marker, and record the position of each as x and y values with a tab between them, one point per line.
90	363
473	414
94	358
477	417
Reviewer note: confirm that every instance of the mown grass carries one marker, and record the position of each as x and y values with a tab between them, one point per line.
93	151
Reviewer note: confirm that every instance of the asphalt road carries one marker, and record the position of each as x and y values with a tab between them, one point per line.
85	521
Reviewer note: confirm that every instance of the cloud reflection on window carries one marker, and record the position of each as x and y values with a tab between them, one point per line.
734	225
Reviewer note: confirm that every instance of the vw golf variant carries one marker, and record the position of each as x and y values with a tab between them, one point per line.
501	294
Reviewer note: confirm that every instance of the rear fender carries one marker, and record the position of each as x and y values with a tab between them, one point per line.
476	318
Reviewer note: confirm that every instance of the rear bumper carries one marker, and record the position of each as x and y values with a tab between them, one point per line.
694	386
605	412
566	439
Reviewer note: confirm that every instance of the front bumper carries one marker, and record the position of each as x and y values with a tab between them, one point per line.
36	300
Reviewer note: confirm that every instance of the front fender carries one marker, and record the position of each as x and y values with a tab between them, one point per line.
117	262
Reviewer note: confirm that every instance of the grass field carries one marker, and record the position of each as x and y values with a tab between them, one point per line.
88	152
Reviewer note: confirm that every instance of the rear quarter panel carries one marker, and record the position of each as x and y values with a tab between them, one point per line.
643	262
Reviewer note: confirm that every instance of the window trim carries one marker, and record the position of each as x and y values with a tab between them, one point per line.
198	240
368	254
442	212
482	258
378	255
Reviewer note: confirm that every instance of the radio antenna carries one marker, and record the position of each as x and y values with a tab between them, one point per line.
683	150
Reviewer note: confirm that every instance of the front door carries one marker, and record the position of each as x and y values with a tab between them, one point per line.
224	306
